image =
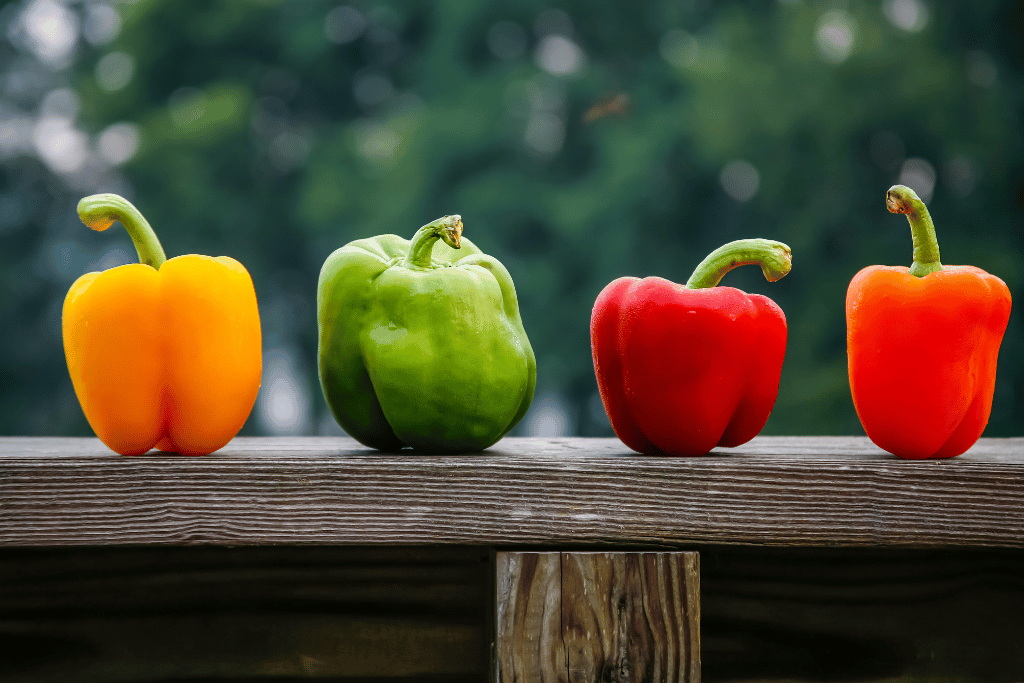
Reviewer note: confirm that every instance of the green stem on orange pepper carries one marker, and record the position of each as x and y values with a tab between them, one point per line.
99	211
901	199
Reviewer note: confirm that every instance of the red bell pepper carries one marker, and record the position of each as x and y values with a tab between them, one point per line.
682	369
922	344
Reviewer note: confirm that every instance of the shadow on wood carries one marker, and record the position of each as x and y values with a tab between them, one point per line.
158	615
423	614
879	615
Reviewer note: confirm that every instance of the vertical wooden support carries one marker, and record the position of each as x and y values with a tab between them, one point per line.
597	617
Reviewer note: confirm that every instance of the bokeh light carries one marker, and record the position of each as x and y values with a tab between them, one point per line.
283	405
740	180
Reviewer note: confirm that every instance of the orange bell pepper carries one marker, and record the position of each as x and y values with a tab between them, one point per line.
162	353
922	344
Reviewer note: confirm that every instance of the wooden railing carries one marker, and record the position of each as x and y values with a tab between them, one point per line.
814	558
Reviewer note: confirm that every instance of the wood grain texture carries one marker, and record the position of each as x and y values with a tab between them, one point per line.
597	617
816	491
528	640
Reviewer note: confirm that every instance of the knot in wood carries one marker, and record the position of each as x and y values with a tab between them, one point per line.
619	672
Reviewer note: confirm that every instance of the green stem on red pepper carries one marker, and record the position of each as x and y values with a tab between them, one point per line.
901	199
99	211
447	228
775	259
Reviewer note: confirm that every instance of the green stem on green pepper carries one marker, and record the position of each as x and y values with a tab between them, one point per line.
775	259
901	199
448	228
99	211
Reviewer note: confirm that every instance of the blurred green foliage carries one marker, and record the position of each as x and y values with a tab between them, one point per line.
580	142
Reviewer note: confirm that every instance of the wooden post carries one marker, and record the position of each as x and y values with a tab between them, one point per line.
597	617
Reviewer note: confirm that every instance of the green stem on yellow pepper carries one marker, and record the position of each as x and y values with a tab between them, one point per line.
775	259
99	211
901	199
447	228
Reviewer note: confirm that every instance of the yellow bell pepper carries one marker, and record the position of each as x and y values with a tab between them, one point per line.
162	353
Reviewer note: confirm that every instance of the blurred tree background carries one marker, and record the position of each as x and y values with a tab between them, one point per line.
580	141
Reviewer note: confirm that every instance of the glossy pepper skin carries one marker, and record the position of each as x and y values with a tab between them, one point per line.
683	369
163	353
421	343
922	344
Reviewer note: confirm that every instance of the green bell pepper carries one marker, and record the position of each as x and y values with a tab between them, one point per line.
421	343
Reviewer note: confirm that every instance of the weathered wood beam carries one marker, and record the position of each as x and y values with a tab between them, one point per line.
777	491
574	617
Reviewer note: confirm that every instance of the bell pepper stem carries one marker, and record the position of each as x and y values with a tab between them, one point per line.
901	199
99	211
447	228
775	259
